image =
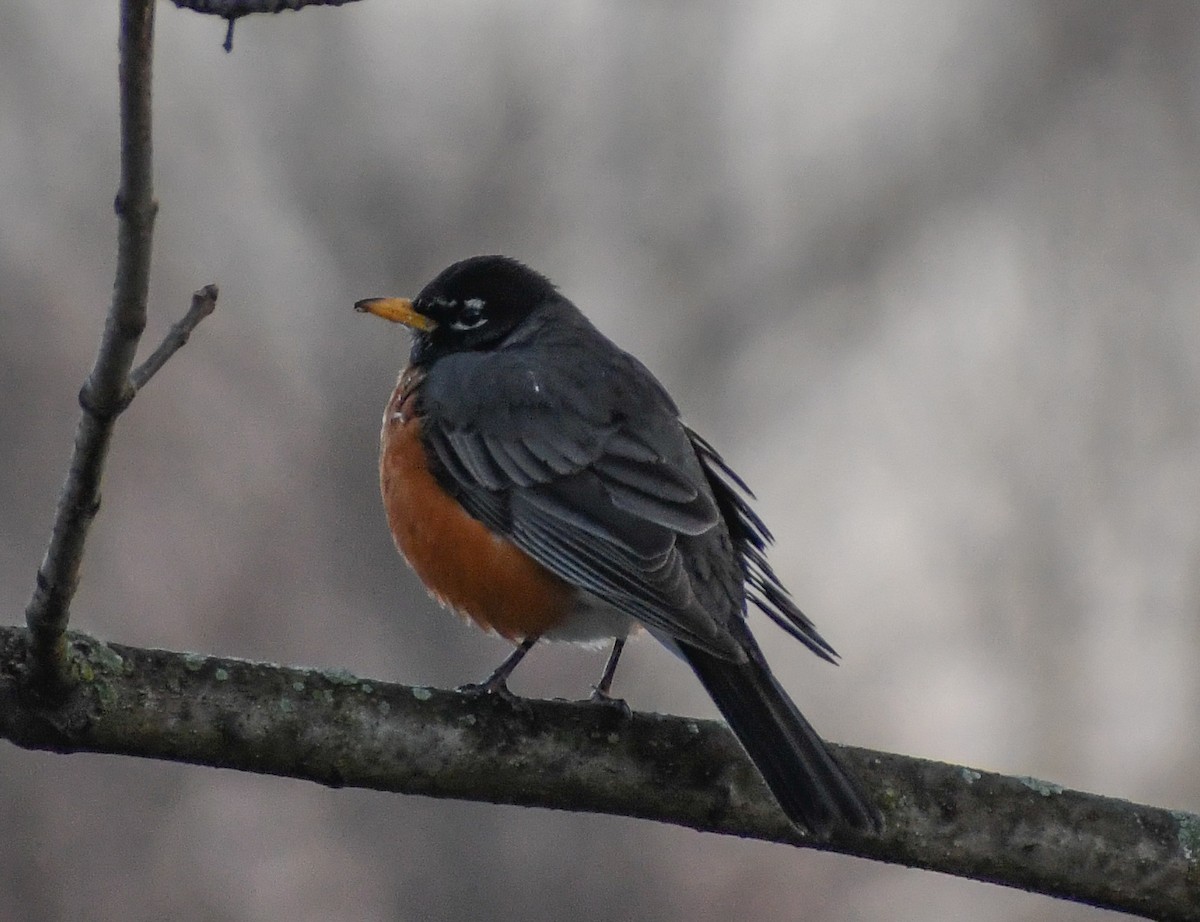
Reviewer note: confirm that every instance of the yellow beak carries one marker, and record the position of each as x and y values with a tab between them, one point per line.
397	310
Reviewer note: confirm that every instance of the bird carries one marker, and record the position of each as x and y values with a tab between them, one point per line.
540	481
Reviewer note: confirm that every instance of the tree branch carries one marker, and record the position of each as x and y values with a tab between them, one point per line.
107	390
336	729
232	9
204	302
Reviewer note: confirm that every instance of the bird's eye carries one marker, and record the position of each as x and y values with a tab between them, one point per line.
471	315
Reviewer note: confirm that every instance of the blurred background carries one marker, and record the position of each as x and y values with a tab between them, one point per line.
925	272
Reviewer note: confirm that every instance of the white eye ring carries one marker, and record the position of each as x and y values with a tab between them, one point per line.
471	317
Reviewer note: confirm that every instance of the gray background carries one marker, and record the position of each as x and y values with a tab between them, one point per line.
926	272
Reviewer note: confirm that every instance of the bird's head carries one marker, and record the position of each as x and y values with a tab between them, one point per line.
474	304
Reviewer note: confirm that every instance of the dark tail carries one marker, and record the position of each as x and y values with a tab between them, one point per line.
811	787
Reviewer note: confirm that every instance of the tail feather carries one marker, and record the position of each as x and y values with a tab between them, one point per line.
812	788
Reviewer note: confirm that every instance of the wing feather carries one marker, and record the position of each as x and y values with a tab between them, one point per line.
520	465
751	537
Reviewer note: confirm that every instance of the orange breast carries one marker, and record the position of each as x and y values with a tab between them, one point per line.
463	565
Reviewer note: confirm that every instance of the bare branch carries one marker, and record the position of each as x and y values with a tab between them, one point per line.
204	302
107	390
339	730
232	9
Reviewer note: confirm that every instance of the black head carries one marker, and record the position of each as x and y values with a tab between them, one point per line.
475	304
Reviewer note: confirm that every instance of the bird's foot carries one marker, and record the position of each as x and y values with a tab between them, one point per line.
605	700
493	685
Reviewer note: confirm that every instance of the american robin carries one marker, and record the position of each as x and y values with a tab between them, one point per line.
539	480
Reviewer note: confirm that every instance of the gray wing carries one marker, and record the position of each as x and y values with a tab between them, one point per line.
596	479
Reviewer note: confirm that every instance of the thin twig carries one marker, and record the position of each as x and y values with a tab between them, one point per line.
336	729
107	390
204	302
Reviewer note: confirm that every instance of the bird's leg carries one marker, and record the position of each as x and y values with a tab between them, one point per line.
497	682
610	669
600	693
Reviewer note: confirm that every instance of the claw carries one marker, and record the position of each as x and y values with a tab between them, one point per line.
492	685
605	700
497	683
